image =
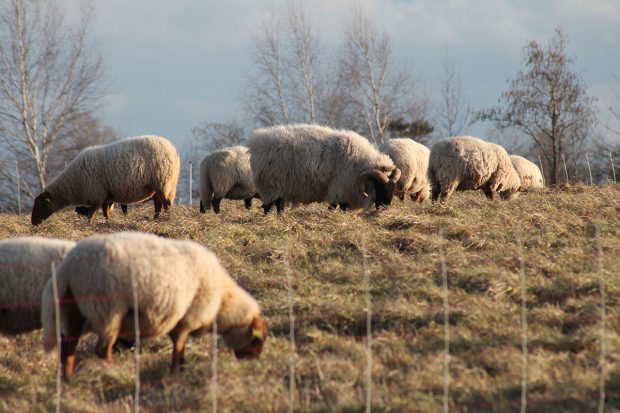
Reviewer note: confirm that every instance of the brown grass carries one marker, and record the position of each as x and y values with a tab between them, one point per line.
560	251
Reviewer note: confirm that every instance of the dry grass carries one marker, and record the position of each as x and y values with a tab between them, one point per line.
558	232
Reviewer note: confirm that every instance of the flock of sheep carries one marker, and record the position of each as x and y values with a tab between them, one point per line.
100	280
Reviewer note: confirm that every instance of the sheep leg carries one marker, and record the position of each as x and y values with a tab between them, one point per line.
158	205
178	338
280	205
202	208
344	207
216	205
436	193
92	213
248	203
74	321
267	207
105	209
490	193
124	209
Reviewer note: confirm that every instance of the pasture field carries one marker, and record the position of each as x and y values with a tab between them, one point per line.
570	240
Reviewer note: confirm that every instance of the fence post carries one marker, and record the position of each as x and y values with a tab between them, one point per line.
291	320
589	169
368	326
524	350
446	325
58	338
214	368
19	195
190	183
565	169
542	170
613	171
136	313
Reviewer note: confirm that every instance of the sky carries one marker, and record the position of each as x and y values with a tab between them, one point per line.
174	64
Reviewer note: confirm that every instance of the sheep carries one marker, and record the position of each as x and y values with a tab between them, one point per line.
464	163
25	267
226	173
310	163
411	158
129	170
529	173
181	288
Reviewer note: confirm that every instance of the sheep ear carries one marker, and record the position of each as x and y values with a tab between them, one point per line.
259	329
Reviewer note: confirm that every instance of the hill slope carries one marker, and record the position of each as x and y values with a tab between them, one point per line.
560	233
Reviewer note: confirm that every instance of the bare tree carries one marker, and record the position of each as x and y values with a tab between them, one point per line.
303	62
453	112
265	100
216	135
374	88
286	85
50	78
549	104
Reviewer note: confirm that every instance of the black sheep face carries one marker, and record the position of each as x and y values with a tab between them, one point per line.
383	193
42	208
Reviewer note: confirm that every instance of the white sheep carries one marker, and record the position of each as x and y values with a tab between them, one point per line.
25	267
181	288
226	173
468	163
311	163
529	173
411	158
126	171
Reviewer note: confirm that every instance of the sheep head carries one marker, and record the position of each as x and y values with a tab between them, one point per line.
247	342
43	207
380	185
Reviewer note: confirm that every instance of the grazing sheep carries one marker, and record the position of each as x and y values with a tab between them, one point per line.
311	163
411	158
529	173
464	163
126	171
226	173
25	267
181	289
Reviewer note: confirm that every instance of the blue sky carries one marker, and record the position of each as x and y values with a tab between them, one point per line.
173	64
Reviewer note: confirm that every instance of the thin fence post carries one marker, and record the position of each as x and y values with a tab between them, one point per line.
291	320
136	313
446	325
613	170
368	326
214	369
58	338
524	350
565	168
542	170
589	169
602	289
190	183
19	195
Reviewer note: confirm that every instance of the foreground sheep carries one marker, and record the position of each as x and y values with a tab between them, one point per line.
464	163
25	267
226	173
311	163
529	173
126	171
411	158
181	287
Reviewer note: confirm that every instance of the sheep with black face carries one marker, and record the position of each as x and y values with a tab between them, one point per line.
310	163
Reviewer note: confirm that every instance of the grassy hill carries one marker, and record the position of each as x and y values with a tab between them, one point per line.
567	236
